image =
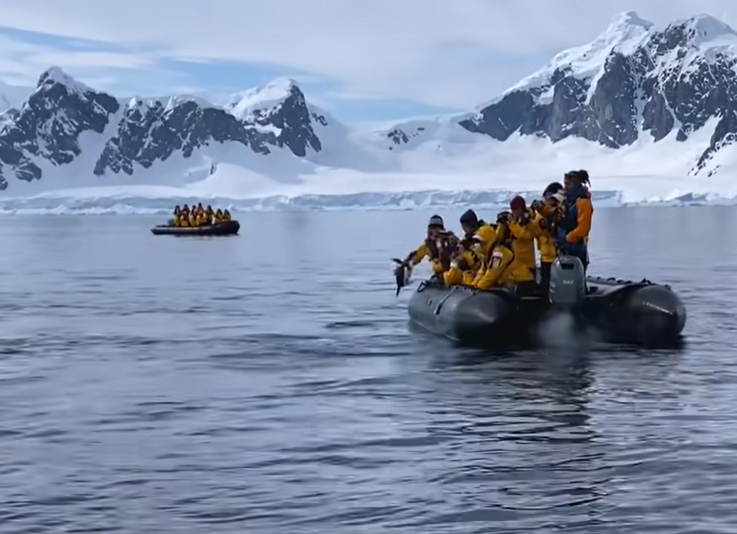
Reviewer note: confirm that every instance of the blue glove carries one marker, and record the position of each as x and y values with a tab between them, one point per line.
562	245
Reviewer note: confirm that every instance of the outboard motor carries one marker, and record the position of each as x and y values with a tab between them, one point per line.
567	282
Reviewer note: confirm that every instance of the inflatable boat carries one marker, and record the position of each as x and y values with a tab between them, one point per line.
617	311
221	228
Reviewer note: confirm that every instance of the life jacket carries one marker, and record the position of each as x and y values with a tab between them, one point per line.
439	247
567	220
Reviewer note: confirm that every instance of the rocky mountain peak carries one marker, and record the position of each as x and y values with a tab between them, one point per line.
275	115
140	132
46	130
702	29
55	76
631	80
627	20
266	98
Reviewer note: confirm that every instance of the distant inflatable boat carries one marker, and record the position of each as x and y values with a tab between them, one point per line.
217	229
619	311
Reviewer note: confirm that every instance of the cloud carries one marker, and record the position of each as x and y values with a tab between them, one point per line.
447	53
25	57
93	59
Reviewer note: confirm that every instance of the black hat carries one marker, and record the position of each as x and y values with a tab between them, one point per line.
469	218
436	220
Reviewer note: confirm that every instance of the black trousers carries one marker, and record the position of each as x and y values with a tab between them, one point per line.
545	278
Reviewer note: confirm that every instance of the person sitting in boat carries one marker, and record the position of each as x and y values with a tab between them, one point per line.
478	237
477	229
502	268
545	210
226	215
218	215
175	220
439	245
574	224
524	231
185	213
210	214
202	218
181	217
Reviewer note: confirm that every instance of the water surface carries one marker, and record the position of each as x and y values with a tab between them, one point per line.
269	383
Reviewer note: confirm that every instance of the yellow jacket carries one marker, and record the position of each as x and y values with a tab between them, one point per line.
523	242
463	268
487	236
422	252
503	270
545	242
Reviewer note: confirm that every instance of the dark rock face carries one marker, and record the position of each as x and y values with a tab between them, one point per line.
662	83
147	134
50	123
153	131
48	128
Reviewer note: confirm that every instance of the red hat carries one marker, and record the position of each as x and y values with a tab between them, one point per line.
518	203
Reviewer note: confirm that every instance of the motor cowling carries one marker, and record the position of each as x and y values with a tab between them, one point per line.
567	282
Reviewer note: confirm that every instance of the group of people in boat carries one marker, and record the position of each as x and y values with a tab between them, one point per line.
198	216
503	254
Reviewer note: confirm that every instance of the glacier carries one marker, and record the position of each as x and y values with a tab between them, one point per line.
129	203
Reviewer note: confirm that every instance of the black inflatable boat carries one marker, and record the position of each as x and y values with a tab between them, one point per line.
222	228
619	311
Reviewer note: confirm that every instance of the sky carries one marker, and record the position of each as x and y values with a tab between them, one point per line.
363	60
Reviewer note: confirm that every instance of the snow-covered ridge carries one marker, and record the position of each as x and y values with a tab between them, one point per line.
626	32
54	75
274	93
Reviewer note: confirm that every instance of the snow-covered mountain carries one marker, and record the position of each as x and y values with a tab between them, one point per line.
633	80
634	90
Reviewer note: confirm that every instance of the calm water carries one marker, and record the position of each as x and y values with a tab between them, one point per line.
269	383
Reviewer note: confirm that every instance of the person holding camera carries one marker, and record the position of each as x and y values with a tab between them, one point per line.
471	251
546	211
524	232
502	267
574	225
